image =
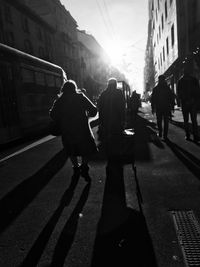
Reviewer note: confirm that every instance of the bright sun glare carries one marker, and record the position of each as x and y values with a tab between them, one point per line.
115	52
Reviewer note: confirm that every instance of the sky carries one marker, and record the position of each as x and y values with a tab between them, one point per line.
120	27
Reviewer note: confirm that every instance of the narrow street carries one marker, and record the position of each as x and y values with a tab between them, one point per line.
51	217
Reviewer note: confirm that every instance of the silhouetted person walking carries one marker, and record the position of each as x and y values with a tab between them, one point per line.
161	103
134	106
71	110
188	92
111	106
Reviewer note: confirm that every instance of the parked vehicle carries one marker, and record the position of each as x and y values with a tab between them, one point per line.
28	86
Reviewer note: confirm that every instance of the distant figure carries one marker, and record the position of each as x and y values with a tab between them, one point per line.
188	92
71	110
111	106
134	105
161	103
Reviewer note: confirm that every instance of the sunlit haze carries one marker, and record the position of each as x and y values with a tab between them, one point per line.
120	27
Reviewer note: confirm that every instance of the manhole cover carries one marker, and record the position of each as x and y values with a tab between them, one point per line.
188	233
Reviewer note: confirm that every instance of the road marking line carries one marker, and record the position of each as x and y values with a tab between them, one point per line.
43	140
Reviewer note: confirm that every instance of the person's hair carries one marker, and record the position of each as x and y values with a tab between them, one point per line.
161	78
69	86
112	83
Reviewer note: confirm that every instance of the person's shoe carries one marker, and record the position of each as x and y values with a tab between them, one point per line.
165	138
84	170
187	137
196	139
76	168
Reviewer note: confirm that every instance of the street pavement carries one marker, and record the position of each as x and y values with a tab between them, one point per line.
52	217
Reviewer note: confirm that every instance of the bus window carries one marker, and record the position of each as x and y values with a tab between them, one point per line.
27	76
40	78
50	80
58	82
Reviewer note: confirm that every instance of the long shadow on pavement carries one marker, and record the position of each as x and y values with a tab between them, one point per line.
122	237
188	159
180	124
18	199
38	247
67	235
145	133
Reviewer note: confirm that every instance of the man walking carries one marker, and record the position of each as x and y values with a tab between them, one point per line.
188	92
161	103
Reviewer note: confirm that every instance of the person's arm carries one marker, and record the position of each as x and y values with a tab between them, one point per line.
89	106
153	101
122	107
53	112
179	89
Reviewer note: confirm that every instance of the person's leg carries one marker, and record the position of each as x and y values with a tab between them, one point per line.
74	161
166	124
185	113
84	167
159	122
193	116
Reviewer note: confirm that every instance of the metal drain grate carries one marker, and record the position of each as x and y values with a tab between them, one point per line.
188	232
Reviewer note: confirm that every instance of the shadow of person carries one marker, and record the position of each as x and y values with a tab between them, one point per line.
180	124
38	247
122	237
188	159
17	200
145	133
67	235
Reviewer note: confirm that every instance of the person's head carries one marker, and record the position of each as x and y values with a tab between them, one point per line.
69	87
187	69
161	79
112	83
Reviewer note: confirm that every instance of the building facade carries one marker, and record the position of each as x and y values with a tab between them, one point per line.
66	43
94	64
174	38
23	29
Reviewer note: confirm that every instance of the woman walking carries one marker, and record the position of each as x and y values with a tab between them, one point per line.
71	111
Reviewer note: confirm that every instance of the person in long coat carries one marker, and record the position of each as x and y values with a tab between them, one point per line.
71	110
111	107
188	91
162	103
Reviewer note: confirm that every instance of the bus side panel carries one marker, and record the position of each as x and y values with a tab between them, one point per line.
38	92
9	117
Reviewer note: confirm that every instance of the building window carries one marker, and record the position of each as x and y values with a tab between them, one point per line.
153	24
163	53
39	33
166	9
172	35
10	38
167	45
158	4
152	7
28	47
162	21
171	2
8	15
25	24
160	59
41	52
